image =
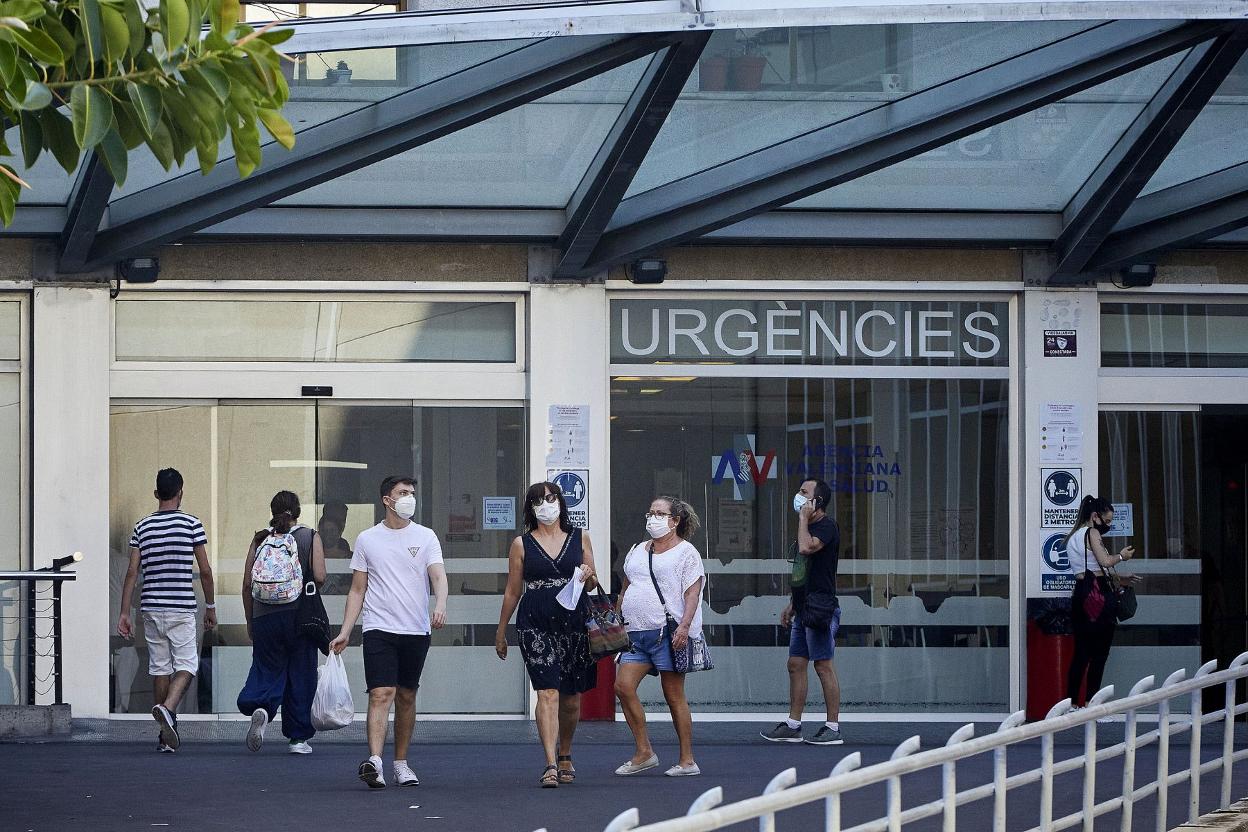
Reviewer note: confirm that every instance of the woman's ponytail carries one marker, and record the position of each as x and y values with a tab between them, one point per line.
1088	506
285	508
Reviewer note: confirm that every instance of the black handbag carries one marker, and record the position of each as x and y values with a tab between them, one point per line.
311	620
818	609
695	655
1126	603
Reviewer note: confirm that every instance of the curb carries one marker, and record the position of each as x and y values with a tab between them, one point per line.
1231	819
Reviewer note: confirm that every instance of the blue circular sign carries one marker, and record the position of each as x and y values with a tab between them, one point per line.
573	487
1061	488
1054	552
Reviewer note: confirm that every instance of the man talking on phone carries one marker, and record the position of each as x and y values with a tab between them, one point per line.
813	615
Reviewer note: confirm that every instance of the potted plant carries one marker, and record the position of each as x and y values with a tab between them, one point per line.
746	68
713	72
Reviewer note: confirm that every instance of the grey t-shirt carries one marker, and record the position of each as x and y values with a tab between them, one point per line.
303	538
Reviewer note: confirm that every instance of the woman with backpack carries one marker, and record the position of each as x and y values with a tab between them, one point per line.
281	563
1091	608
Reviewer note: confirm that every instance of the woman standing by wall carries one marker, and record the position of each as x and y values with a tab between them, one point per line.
553	640
1093	627
676	565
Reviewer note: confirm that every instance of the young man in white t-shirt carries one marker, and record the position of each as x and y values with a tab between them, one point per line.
394	564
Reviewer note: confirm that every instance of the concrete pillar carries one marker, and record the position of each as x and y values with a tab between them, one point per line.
69	455
1057	379
569	350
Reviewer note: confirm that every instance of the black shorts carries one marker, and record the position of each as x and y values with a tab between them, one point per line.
392	660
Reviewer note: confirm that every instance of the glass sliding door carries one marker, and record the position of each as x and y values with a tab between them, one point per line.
919	472
236	455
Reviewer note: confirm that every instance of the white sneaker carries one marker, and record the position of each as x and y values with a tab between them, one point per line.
372	774
300	748
255	734
403	774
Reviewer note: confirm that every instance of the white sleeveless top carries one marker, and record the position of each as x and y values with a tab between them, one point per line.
1077	551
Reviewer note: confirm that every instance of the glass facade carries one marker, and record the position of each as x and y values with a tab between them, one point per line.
1155	467
12	651
919	472
317	331
234	457
1174	335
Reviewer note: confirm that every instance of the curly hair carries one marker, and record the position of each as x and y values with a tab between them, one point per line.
687	520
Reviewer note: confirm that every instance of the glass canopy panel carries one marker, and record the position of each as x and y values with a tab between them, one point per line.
533	156
756	87
324	86
1217	139
49	184
1033	162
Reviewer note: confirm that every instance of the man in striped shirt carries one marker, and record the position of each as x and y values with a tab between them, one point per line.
166	546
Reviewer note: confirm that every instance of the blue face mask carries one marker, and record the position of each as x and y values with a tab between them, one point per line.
799	500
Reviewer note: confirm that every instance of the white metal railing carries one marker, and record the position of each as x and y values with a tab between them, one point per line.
707	814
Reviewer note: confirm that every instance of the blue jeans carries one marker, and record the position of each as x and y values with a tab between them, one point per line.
816	645
648	648
283	674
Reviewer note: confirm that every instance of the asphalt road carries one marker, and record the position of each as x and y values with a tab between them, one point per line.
58	787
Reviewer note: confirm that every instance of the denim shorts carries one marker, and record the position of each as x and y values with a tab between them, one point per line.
647	648
816	645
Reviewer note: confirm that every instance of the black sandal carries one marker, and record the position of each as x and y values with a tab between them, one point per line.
549	778
566	775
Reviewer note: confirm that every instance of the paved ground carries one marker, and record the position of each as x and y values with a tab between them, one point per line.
471	786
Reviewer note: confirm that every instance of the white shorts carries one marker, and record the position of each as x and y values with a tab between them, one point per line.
171	645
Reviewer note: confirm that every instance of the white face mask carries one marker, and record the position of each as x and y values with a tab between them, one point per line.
405	506
657	526
799	500
547	513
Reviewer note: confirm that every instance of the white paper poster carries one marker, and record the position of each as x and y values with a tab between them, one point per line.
1061	438
498	513
1124	521
567	438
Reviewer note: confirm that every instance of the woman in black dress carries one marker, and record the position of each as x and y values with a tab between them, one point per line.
553	640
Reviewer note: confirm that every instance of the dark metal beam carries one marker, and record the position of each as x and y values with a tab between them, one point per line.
87	203
176	208
1123	173
864	143
1188	213
625	148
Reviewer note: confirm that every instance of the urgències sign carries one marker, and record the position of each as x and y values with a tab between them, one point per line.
952	333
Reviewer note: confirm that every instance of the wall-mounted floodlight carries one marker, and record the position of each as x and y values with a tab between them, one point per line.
60	563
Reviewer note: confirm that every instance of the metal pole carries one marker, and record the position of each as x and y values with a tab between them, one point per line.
30	642
1193	797
1000	772
56	639
1089	774
1046	782
949	796
1163	754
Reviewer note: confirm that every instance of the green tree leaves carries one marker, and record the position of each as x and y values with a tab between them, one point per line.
110	75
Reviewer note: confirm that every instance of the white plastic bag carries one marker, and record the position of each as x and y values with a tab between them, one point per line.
332	707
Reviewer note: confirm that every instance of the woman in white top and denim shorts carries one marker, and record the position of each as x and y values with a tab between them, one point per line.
678	568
